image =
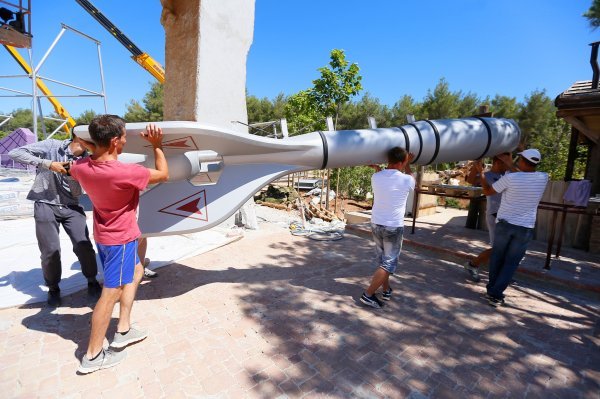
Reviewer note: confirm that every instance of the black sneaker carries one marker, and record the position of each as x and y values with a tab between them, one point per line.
495	302
54	298
473	272
387	295
371	301
94	289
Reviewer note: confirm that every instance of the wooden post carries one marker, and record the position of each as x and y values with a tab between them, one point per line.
330	127
322	176
337	189
416	200
572	154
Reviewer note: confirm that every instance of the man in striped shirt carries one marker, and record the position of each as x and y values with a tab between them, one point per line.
521	194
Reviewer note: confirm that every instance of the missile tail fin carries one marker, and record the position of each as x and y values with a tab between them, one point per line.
181	207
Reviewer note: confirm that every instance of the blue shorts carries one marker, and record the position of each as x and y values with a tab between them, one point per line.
388	245
118	263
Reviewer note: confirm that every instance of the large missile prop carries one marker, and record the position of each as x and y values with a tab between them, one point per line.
213	171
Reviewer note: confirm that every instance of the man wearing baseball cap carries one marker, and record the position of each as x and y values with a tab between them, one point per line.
515	220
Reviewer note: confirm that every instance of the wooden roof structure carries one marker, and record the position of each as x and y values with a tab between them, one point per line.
579	105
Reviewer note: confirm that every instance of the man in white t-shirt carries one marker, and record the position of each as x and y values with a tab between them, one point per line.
390	191
515	220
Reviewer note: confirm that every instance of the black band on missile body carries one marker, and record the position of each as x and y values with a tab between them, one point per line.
437	142
420	142
406	140
489	132
325	150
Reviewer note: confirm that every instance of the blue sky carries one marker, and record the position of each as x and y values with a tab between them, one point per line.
486	47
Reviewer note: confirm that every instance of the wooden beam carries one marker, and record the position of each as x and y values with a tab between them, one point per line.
579	125
588	111
572	154
13	38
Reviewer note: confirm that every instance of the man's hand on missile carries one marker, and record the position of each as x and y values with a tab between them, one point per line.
473	176
409	158
88	145
478	167
153	134
506	157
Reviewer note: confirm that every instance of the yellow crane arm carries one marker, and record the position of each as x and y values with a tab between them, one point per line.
147	62
60	110
151	65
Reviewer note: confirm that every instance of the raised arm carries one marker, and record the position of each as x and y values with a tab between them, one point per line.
407	169
36	154
153	134
486	187
508	161
474	175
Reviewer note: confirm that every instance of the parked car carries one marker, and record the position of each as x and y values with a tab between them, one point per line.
308	184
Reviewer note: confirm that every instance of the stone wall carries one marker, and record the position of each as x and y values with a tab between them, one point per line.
207	43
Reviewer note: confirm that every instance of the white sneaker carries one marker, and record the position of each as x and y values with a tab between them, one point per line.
133	335
105	359
150	273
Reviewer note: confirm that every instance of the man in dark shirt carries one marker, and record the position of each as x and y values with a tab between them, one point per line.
56	197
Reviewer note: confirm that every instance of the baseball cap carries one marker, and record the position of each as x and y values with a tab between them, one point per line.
532	155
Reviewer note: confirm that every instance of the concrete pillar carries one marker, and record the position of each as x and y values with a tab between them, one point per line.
207	43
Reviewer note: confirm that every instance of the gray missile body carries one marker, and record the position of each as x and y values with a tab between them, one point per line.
213	171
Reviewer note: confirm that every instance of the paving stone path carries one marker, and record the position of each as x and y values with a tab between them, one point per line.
274	315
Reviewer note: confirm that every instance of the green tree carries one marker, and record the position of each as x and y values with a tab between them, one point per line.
152	111
259	109
403	107
339	82
468	105
354	181
353	115
85	117
23	118
302	114
593	14
441	103
536	117
265	110
542	129
279	103
505	107
554	147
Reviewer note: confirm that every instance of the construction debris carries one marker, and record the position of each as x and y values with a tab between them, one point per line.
286	198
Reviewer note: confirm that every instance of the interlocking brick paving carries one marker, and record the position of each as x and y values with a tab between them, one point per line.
275	315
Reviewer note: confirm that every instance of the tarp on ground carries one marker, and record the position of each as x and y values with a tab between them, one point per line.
18	138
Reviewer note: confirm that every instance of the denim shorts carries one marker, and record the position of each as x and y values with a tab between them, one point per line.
388	245
118	263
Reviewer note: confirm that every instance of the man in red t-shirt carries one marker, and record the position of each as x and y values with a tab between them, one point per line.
114	189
